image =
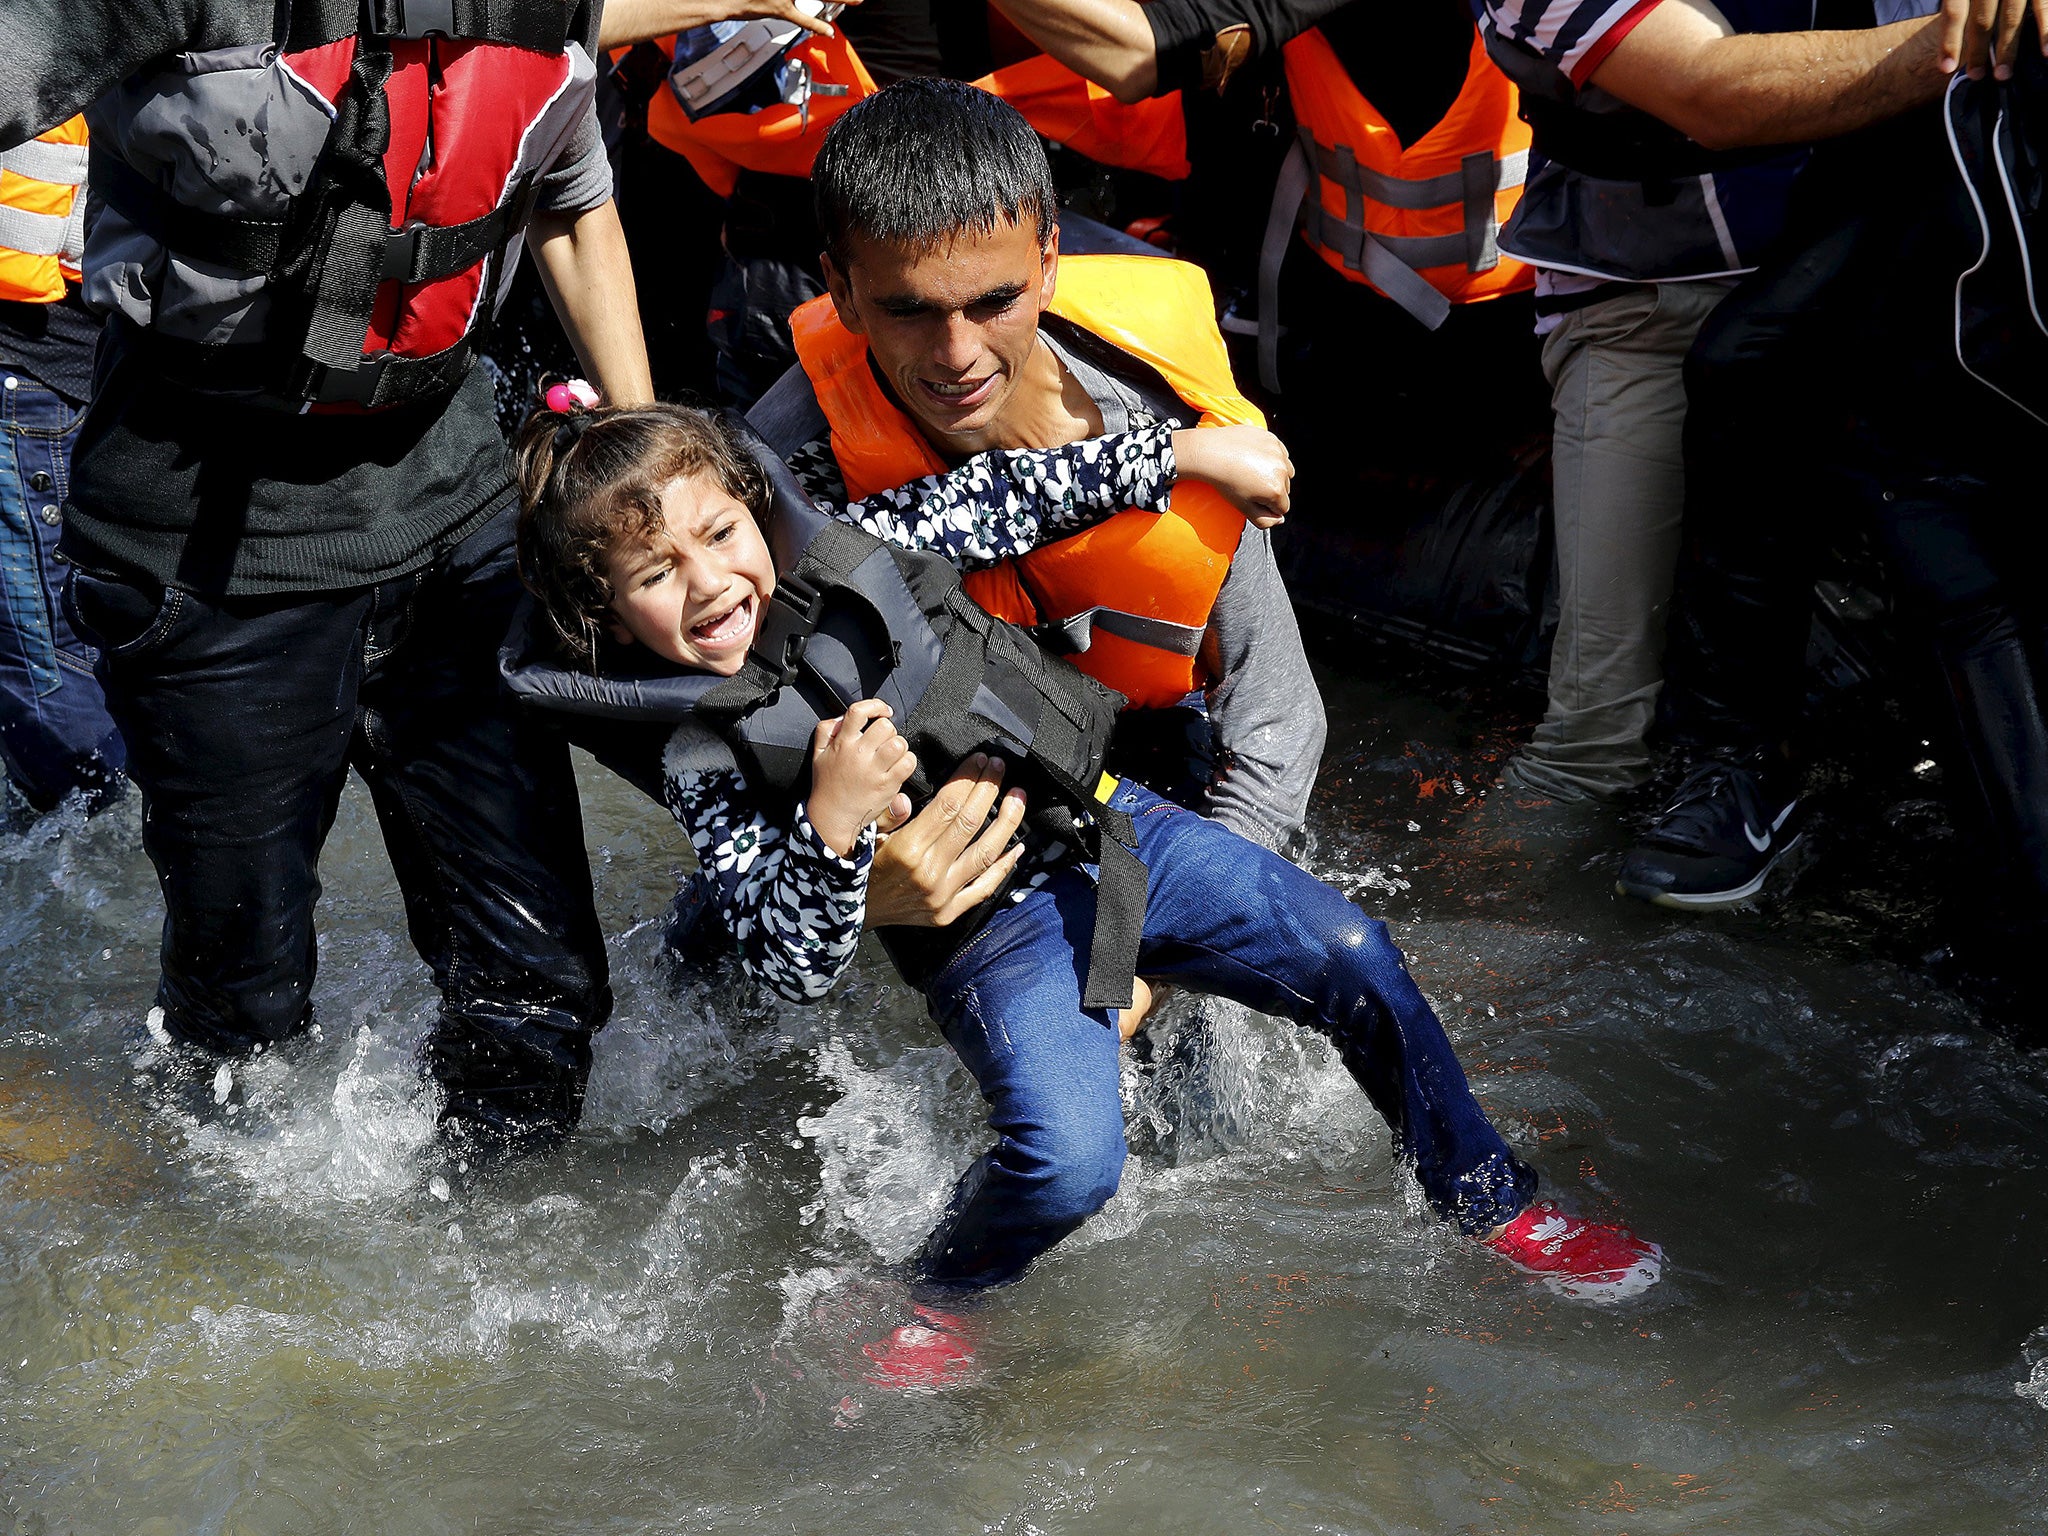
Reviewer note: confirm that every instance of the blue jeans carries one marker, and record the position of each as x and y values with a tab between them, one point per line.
1224	916
54	732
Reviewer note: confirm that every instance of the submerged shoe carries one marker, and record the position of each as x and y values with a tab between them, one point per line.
929	1355
1724	830
1584	1260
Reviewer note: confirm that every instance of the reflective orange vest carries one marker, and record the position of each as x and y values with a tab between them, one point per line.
783	140
42	214
1419	224
1137	588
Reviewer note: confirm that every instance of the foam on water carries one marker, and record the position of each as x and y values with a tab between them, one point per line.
889	1147
297	1140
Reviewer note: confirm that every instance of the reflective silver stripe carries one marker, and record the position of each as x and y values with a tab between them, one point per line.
1389	263
1160	634
32	234
61	164
73	254
1415	193
1482	253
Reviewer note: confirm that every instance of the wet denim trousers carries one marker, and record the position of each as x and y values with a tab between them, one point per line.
243	716
1224	916
55	735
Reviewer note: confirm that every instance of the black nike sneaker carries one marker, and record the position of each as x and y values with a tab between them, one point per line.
1724	830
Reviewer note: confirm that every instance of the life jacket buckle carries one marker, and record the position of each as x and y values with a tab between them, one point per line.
794	610
401	254
412	18
328	385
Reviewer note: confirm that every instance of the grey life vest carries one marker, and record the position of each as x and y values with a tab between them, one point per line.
853	618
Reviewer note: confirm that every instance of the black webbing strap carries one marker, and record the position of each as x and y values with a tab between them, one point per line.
542	25
416	254
383	379
423	254
337	274
1119	912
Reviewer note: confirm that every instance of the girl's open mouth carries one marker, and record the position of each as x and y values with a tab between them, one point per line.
728	628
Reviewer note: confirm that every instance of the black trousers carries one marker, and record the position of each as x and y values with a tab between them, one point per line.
1773	385
243	717
1825	394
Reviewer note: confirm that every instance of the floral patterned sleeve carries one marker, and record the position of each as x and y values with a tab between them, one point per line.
1009	501
794	908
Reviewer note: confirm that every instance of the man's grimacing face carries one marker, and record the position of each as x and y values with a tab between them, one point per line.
951	326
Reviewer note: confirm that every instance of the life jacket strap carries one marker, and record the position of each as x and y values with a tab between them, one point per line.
33	234
1075	633
1120	894
418	253
542	25
1494	173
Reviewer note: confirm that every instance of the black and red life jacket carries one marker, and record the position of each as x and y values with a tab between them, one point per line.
382	267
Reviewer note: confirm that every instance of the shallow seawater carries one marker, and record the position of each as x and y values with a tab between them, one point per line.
272	1301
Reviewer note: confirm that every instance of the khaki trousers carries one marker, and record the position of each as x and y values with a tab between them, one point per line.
1616	371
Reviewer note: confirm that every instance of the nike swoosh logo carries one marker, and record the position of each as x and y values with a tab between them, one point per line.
1762	844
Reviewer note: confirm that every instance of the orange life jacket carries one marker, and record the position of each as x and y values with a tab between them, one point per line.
1438	204
42	214
783	140
1419	224
1139	586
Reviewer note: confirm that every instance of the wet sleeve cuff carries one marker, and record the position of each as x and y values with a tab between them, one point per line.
806	843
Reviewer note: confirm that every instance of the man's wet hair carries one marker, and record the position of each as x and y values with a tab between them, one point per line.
925	161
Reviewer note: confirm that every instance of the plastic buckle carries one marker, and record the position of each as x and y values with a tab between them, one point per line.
417	18
401	252
786	628
351	386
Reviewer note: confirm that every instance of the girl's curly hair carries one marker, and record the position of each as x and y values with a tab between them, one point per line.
590	483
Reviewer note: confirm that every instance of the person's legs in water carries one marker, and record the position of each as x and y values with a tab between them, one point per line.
1949	543
1230	918
1618	398
237	715
1770	389
55	734
479	809
241	716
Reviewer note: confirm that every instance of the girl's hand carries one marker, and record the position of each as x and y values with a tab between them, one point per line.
1249	465
858	763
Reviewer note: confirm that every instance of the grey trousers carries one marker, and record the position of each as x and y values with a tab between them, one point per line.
1616	371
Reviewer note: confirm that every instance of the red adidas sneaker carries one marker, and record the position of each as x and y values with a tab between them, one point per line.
1585	1260
929	1355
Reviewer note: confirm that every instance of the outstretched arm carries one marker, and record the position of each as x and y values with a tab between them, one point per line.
1107	41
1685	64
1008	501
60	56
639	21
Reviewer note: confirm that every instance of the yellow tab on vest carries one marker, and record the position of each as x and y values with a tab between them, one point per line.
1106	788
